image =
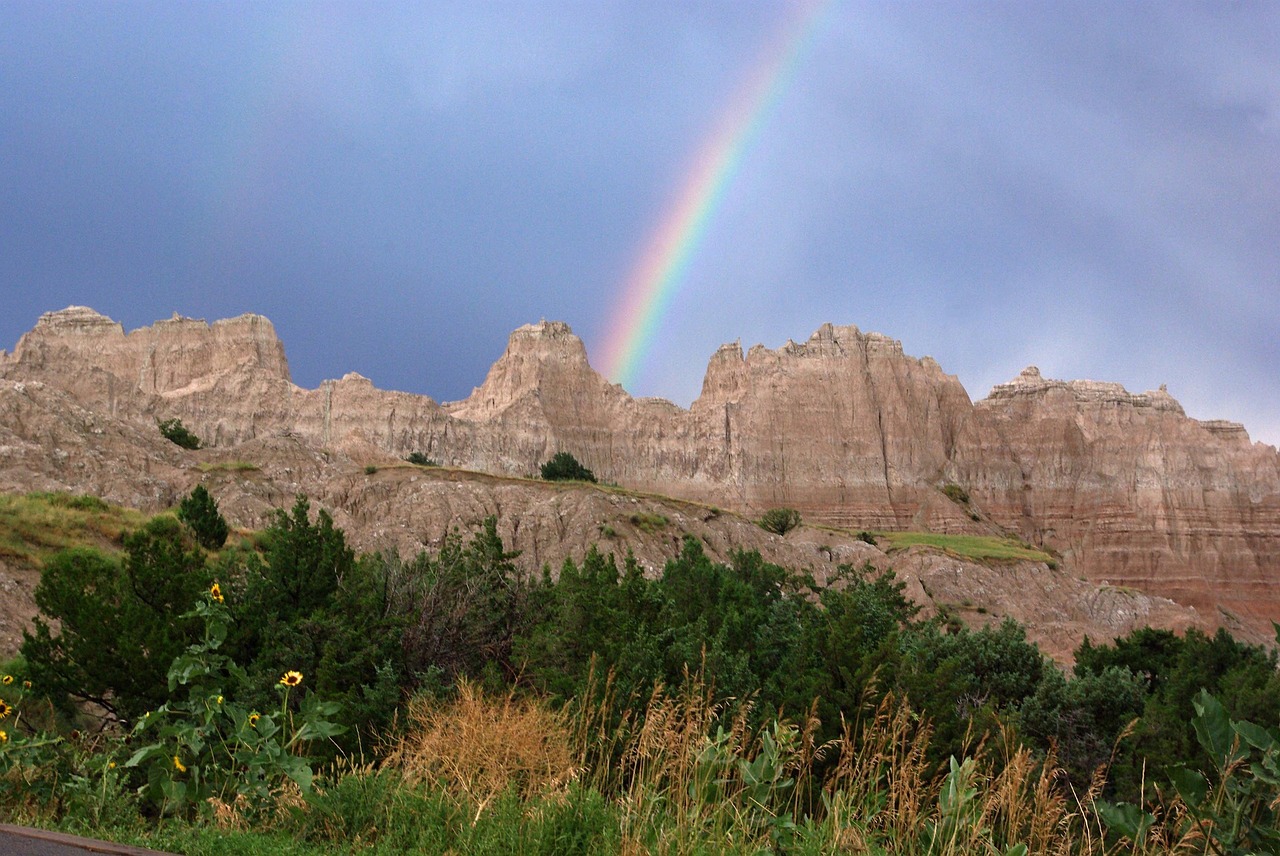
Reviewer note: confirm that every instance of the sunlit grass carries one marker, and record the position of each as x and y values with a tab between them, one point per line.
976	547
36	525
228	466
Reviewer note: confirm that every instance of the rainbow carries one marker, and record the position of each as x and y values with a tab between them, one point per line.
661	268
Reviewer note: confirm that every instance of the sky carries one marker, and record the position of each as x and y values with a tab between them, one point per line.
1089	187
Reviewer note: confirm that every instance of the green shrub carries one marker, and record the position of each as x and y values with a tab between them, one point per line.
175	432
422	460
779	521
370	469
307	604
565	467
648	522
118	625
955	493
206	745
200	512
83	502
866	538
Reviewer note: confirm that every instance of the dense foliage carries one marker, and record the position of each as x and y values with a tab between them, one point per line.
757	631
175	432
200	512
565	467
753	665
779	521
303	602
119	624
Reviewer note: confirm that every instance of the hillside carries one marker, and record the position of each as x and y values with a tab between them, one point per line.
1130	495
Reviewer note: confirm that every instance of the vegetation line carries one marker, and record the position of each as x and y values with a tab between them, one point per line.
184	688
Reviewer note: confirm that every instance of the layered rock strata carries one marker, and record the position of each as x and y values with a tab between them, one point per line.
844	427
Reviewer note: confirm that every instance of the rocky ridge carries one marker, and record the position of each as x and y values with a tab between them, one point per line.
1132	493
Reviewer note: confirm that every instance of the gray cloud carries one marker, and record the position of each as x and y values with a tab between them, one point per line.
1087	186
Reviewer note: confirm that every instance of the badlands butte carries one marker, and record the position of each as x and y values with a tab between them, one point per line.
1147	516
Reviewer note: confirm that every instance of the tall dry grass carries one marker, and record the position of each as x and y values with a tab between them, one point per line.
480	747
682	772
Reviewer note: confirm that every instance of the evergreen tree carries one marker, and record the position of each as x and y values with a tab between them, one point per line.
565	467
119	623
200	512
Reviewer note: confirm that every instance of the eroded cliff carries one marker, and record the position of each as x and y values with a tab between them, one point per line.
844	427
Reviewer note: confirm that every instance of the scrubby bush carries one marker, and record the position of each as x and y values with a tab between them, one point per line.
175	432
956	493
647	521
308	604
422	460
117	624
565	467
462	608
779	521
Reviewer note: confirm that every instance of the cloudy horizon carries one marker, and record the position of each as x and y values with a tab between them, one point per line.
1089	187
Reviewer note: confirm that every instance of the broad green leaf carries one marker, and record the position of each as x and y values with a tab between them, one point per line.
1213	729
1256	736
1190	785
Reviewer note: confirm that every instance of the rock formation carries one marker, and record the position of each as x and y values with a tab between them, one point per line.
1131	491
844	427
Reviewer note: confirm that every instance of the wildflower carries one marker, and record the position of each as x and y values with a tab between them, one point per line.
26	685
111	765
6	680
253	719
178	765
291	679
215	592
4	737
219	699
4	708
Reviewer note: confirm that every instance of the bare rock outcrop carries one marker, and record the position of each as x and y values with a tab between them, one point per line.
844	427
1131	491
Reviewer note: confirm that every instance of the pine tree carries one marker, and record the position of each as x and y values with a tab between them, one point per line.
200	512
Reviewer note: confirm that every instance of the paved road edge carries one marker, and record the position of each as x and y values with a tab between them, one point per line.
89	845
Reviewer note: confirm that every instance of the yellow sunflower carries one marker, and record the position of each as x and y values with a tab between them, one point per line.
6	680
5	710
215	592
4	737
291	678
178	765
253	719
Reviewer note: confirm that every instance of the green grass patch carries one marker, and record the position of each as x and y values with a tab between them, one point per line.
648	522
36	525
976	547
228	467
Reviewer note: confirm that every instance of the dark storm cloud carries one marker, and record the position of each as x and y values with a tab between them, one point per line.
1091	187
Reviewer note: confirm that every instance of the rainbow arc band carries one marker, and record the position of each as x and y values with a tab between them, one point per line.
664	262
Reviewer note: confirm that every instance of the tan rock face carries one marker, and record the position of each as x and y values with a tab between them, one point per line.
166	357
1131	491
844	427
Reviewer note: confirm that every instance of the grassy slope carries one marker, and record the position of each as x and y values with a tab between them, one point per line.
34	526
977	548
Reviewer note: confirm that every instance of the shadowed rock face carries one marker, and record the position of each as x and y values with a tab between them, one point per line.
844	427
